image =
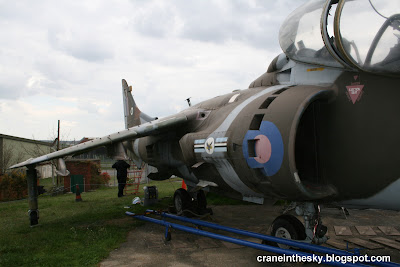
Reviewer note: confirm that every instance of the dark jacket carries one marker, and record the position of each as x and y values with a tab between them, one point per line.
121	166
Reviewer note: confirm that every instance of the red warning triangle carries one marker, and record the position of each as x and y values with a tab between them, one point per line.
354	91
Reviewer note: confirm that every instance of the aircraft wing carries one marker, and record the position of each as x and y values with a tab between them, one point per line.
146	129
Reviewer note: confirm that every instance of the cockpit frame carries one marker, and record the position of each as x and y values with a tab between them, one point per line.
309	35
329	43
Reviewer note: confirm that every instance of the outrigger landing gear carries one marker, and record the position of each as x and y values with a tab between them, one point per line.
289	227
190	203
33	213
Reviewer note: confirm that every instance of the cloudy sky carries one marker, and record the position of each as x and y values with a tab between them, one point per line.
64	60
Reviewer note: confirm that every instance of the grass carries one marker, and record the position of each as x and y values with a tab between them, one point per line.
70	233
75	233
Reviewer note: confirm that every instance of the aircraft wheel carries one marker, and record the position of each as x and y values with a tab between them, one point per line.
288	227
182	200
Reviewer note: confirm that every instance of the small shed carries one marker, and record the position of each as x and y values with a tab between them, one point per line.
81	173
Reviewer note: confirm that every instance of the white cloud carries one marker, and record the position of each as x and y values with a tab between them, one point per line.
80	44
65	60
156	18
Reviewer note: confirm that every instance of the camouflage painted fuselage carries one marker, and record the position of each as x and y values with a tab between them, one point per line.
301	142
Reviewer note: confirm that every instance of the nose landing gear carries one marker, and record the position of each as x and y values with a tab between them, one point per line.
289	227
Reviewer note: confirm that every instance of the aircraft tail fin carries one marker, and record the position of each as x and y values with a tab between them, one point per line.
132	114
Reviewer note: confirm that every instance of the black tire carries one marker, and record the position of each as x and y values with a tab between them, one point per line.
288	227
182	201
298	226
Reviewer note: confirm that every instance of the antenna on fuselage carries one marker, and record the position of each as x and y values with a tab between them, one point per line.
188	101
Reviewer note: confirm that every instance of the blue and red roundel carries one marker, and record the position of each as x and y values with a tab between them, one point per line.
263	148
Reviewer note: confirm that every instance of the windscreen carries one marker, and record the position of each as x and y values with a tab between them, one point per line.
370	34
300	35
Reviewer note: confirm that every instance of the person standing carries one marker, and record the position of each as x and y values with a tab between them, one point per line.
121	166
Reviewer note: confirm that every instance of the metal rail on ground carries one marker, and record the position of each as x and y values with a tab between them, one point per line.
292	243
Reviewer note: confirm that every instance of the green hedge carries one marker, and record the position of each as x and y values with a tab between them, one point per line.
98	179
13	186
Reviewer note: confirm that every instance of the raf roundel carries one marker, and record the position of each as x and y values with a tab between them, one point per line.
263	148
209	145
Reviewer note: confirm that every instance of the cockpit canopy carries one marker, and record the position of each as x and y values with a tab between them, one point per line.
363	34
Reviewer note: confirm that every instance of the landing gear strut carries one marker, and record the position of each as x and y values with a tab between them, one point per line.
315	230
289	227
190	203
33	213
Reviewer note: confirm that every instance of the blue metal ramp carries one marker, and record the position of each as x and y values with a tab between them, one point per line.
344	257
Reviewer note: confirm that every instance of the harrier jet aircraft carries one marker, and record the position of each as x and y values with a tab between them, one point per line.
319	126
